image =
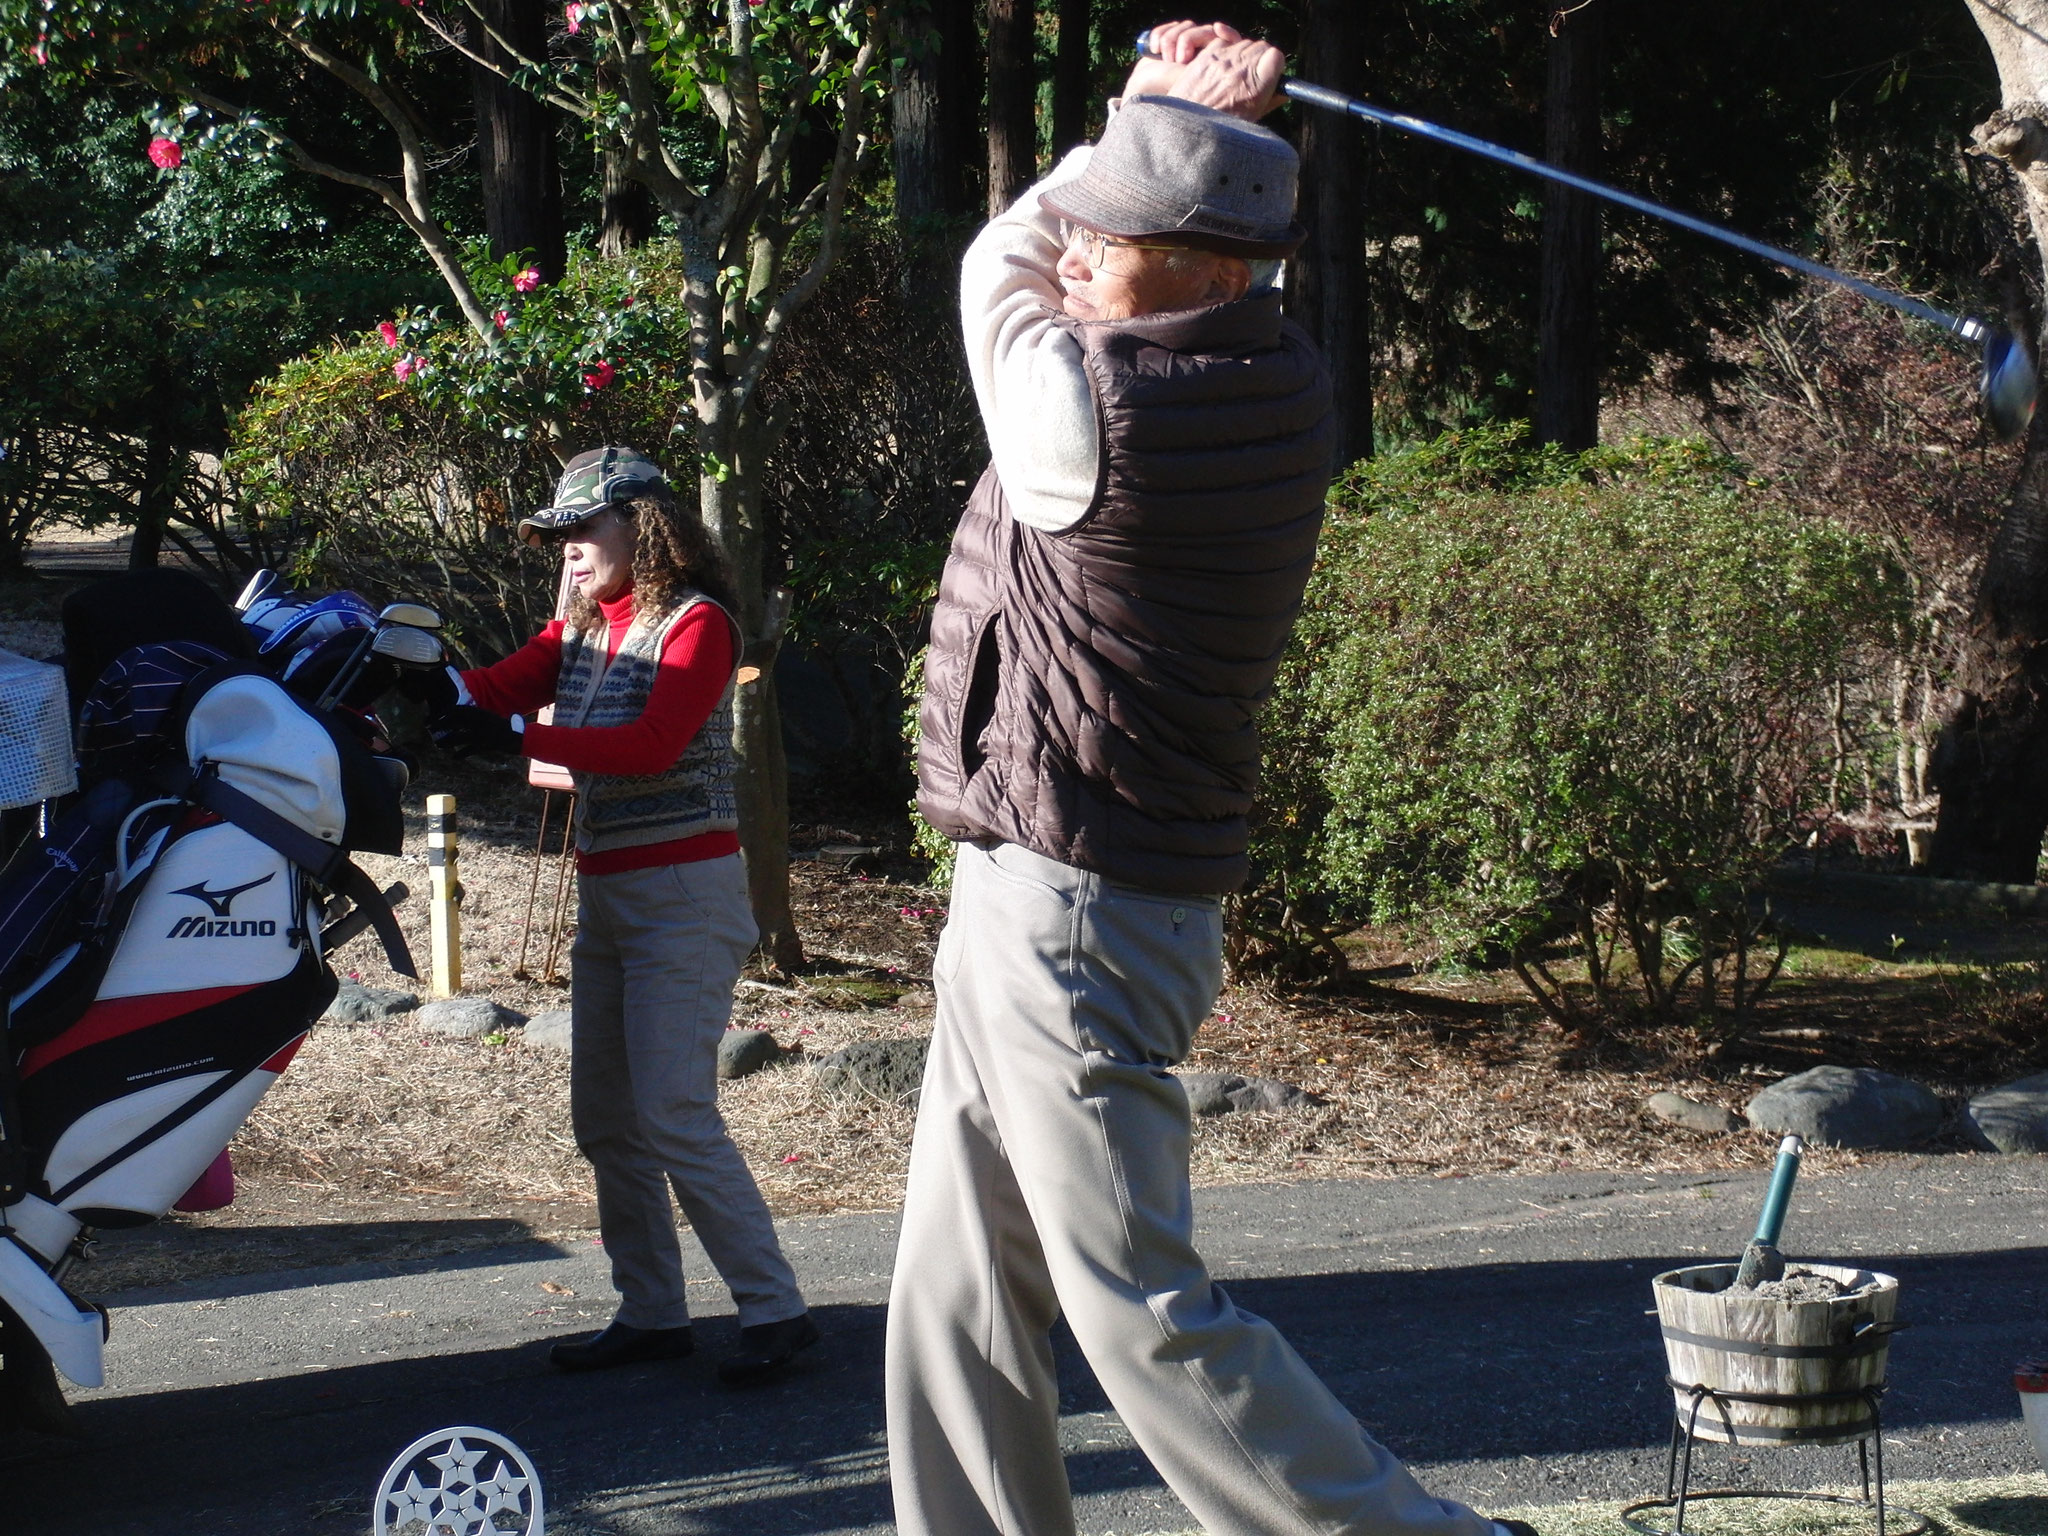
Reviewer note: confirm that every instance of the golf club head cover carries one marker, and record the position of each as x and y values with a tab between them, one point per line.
468	730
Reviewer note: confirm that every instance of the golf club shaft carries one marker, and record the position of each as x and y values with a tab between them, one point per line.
1335	101
1966	326
346	672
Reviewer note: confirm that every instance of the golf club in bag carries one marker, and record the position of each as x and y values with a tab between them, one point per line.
2007	384
164	941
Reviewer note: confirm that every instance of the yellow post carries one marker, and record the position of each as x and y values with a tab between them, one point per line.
445	911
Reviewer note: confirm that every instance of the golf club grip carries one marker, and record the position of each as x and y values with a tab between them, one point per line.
1337	101
1772	1221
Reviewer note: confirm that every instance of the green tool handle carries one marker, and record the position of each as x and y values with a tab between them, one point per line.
1780	1194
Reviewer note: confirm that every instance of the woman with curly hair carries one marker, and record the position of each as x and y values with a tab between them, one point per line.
641	676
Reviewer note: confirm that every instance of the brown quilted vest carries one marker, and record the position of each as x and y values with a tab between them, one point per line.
1092	694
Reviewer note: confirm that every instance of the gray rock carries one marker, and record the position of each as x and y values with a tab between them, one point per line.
1856	1107
1221	1093
549	1029
744	1051
2010	1119
1677	1109
468	1017
355	1003
882	1069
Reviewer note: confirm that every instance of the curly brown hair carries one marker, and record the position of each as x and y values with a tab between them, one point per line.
672	552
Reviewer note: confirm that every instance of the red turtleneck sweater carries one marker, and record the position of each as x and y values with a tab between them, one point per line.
695	666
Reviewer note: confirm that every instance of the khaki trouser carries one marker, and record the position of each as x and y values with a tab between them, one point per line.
657	952
1050	1175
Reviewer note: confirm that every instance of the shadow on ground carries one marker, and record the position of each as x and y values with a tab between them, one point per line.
276	1255
1470	1364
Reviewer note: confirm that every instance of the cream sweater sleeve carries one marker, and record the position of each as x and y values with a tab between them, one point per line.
1028	375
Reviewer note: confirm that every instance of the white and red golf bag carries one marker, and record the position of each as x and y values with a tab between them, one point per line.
161	959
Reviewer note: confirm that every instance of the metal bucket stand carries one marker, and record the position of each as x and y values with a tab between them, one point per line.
1678	1490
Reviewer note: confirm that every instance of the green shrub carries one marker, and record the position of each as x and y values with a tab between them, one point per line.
398	465
1538	700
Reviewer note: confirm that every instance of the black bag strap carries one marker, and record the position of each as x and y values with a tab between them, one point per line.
329	865
14	1167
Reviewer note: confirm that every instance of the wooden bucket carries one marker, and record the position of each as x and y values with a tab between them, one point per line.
1809	1361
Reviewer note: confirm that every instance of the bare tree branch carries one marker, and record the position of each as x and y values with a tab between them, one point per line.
648	159
440	248
846	159
555	95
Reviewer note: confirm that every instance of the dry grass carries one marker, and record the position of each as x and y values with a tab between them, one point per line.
1441	1078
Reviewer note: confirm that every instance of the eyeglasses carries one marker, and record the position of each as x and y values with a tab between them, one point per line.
578	531
1095	247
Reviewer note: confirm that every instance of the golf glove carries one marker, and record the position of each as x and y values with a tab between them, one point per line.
441	689
467	731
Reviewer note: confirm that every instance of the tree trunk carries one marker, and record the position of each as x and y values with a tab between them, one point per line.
1991	761
960	99
934	104
1568	347
1328	290
917	120
515	139
1012	99
626	212
732	514
160	463
1070	92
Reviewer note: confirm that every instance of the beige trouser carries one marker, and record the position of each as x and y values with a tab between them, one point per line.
1050	1175
657	952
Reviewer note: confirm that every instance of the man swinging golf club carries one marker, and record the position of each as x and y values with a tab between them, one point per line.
1110	619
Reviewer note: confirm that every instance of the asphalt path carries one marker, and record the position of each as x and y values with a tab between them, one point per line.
1492	1331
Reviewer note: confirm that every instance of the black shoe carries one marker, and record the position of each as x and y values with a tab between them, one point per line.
1516	1527
766	1350
622	1344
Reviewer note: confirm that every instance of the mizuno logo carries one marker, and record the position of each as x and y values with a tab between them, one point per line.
221	901
208	928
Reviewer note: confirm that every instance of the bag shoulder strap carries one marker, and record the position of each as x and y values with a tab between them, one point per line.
329	865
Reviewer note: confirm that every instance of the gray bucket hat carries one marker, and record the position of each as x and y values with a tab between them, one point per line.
1172	170
592	481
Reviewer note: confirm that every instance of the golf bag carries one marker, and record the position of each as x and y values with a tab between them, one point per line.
162	952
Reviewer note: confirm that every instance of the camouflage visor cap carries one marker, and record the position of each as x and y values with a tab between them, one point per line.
592	481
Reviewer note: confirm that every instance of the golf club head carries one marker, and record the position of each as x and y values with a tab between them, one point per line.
414	615
2009	384
257	588
408	646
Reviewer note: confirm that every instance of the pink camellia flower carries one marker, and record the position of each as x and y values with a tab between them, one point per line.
389	332
598	375
575	15
526	281
166	154
500	319
405	367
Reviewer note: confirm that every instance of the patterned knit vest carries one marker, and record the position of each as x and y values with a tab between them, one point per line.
695	794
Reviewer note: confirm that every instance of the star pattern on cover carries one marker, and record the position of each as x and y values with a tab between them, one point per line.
464	1499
